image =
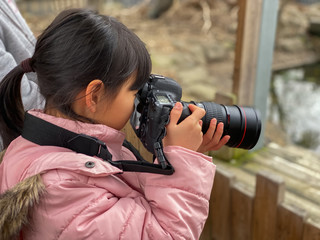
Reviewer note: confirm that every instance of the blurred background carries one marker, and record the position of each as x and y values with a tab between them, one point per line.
193	42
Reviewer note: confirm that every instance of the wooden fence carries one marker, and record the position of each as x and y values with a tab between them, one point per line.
238	214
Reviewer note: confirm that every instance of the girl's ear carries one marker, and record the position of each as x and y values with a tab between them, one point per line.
94	92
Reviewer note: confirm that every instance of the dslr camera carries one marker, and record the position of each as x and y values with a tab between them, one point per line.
158	96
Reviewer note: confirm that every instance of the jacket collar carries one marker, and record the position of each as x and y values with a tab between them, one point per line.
112	137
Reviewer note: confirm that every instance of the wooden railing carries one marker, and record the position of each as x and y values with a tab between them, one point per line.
238	214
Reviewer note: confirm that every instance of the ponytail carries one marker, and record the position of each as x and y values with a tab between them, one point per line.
11	107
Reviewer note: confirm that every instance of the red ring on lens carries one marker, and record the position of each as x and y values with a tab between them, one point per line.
245	126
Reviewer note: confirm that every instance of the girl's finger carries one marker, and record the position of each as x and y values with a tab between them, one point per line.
218	133
197	112
210	132
175	113
222	142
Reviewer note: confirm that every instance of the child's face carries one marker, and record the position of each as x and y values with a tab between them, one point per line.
116	112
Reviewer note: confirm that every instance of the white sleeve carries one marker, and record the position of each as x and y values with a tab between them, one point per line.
30	94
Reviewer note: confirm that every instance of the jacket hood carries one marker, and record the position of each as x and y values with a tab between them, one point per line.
21	198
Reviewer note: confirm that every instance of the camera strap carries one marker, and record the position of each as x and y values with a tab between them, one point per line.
44	133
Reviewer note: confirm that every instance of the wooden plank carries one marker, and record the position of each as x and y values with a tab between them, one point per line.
293	195
311	230
246	52
290	222
301	188
247	177
296	154
241	212
220	203
291	169
257	23
269	193
287	61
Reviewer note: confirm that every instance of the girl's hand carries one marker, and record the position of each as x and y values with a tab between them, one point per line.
187	133
212	140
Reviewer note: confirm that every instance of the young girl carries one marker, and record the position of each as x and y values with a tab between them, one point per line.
89	69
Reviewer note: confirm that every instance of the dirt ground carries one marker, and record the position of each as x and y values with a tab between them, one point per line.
181	37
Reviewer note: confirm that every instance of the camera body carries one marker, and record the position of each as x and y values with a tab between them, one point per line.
152	109
158	96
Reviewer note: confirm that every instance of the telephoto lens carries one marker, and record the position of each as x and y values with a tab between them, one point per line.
243	124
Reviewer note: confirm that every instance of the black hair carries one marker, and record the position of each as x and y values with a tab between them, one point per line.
77	47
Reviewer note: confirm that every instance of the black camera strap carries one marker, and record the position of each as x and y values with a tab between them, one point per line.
44	133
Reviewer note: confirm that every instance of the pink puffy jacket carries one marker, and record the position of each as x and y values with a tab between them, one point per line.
101	202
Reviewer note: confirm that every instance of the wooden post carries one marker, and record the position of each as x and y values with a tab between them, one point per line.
241	212
257	23
269	193
221	202
290	222
244	76
311	231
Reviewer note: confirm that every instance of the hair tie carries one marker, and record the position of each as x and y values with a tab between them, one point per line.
26	65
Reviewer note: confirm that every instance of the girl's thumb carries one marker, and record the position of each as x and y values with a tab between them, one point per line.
176	113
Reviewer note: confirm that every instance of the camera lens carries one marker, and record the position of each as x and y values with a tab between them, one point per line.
243	124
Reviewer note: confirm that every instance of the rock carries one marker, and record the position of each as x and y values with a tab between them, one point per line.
313	11
291	44
189	53
314	27
192	76
158	7
215	52
293	22
162	60
231	3
197	84
274	133
200	92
